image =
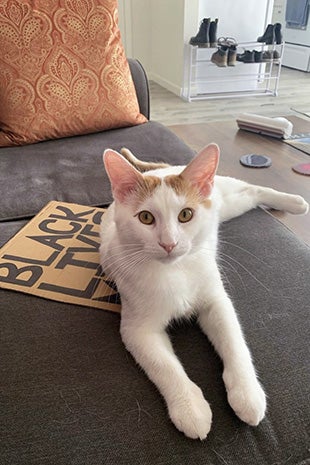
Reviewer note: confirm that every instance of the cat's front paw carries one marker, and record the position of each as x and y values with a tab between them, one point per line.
191	414
246	397
296	205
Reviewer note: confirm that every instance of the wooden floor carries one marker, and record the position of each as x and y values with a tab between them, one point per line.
293	99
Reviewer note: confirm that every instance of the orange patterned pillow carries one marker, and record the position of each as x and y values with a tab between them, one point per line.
63	70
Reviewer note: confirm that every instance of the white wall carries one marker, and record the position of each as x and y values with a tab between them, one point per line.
244	20
135	26
154	32
167	43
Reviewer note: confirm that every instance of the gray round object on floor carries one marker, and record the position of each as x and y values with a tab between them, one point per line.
253	160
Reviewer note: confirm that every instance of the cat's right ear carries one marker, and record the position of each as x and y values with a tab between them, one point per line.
123	176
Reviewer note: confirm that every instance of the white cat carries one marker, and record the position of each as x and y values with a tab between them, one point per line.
159	241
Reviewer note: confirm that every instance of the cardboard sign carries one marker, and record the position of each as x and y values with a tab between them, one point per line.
56	256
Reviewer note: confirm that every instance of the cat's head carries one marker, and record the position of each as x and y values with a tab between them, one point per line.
166	211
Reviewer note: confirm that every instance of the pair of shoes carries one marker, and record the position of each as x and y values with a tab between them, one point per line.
271	55
255	56
206	36
250	56
226	54
272	34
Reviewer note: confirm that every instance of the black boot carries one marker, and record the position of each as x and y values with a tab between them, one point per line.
212	33
202	37
277	33
258	56
268	36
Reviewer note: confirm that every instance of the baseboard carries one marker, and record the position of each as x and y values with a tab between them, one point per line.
177	90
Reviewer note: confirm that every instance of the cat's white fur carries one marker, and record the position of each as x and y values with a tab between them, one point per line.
159	284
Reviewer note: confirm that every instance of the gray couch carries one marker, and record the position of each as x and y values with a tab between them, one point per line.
71	394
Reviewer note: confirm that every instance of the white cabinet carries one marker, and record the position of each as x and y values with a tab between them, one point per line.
297	57
204	80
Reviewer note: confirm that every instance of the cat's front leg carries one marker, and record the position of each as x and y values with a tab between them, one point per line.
219	321
245	395
152	350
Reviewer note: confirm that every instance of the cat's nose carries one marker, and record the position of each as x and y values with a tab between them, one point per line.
168	247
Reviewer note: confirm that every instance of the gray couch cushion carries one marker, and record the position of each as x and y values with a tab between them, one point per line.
71	169
71	394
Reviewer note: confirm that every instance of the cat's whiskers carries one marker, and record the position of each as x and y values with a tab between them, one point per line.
122	247
124	267
125	272
247	270
124	251
221	241
220	256
114	258
231	267
127	263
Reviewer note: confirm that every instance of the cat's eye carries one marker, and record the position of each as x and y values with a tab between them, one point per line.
146	217
185	215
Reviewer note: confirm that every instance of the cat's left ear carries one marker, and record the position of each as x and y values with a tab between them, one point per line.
201	170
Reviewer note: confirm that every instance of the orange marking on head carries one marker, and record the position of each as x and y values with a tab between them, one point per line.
145	188
183	187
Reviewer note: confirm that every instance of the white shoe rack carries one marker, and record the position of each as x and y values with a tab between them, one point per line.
205	80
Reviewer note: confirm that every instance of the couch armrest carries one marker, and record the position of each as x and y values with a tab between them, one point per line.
141	85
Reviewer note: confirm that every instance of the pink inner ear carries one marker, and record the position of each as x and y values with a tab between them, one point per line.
202	169
123	176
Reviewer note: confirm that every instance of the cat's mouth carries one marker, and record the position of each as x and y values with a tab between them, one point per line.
170	257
